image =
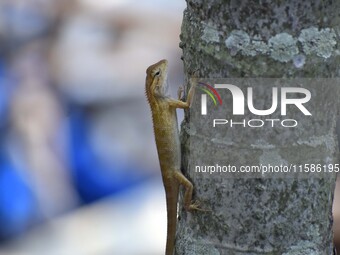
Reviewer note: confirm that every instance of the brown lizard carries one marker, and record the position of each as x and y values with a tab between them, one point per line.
164	118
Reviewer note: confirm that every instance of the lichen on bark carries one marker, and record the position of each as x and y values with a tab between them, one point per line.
261	216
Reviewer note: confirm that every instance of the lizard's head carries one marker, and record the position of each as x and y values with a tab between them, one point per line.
156	80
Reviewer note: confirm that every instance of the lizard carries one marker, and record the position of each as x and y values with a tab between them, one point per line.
166	132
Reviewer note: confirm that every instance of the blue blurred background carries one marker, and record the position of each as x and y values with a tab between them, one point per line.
78	164
79	173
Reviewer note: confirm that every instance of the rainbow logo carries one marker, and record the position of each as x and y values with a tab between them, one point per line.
209	90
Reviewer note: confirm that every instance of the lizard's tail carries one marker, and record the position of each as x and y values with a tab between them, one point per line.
171	205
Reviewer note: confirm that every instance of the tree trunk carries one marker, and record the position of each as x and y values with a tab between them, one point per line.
287	215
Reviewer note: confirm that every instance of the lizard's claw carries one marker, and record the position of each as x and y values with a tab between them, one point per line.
196	206
195	73
194	78
180	93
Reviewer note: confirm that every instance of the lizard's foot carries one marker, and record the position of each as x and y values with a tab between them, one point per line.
180	93
195	206
194	78
195	73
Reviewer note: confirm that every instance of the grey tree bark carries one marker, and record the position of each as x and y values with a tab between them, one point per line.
290	216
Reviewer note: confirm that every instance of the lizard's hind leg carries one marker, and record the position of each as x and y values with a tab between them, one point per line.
188	204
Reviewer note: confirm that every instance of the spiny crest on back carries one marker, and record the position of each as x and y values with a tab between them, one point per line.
156	75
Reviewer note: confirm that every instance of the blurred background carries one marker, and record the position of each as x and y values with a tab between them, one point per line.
79	173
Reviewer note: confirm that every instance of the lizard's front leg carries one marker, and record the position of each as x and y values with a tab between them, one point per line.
180	104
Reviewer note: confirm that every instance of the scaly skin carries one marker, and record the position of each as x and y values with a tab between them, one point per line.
164	118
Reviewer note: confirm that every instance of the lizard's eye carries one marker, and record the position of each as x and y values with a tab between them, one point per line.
157	73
